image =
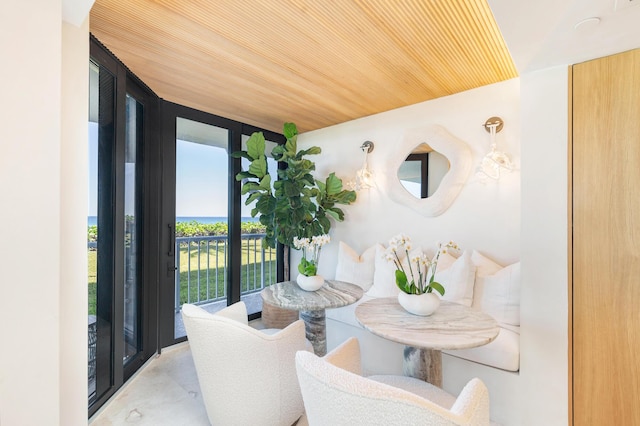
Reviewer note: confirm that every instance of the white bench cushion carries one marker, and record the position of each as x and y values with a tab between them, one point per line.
503	352
493	288
347	314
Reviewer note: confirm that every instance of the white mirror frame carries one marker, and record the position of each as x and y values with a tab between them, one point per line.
460	161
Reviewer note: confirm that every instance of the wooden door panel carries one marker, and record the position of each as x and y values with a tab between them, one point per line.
606	241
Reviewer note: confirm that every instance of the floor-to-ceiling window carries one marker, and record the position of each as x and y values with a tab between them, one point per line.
122	231
167	222
213	254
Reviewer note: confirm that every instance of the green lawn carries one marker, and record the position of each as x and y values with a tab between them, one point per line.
209	276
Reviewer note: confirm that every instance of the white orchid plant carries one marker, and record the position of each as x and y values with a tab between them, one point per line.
310	252
421	274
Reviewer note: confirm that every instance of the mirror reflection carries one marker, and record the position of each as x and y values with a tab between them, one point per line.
422	171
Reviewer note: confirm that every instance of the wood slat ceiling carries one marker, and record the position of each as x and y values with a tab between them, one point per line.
313	62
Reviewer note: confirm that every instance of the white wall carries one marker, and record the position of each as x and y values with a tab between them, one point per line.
73	224
35	190
507	220
485	216
544	305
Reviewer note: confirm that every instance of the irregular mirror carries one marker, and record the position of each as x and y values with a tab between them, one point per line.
457	155
422	171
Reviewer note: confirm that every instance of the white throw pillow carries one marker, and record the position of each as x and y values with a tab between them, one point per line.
384	277
484	268
501	298
356	269
457	279
497	289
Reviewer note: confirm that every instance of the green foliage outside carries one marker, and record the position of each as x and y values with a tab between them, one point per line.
196	229
207	280
211	269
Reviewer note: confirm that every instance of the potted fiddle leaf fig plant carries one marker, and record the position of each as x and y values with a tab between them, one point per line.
295	205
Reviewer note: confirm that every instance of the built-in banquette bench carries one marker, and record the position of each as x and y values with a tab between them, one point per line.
470	279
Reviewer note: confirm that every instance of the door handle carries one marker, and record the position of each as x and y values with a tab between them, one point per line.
172	240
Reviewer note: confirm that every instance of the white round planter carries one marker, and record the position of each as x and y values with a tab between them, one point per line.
419	304
311	283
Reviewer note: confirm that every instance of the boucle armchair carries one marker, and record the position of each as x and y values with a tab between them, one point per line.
335	394
246	376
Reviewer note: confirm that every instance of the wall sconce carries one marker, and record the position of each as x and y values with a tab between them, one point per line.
364	177
495	161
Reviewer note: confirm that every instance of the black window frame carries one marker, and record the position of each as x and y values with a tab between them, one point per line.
109	328
170	112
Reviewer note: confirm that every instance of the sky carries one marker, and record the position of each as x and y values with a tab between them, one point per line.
201	178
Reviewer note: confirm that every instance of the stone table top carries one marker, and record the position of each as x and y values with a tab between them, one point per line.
452	326
333	294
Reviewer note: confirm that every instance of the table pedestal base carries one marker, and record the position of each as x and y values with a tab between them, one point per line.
424	364
315	325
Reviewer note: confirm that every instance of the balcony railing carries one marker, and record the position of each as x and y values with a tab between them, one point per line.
201	268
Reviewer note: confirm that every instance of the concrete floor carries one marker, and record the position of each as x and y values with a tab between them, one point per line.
164	392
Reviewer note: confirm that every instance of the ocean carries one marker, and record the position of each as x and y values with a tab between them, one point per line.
93	220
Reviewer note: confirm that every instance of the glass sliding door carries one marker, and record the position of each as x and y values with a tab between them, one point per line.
123	226
201	223
132	229
211	247
99	250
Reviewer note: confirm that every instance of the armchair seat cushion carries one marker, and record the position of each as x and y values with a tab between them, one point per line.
336	394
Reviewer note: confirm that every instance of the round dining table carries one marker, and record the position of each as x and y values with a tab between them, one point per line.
312	305
452	326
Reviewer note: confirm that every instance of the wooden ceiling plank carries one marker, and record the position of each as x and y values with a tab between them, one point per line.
315	63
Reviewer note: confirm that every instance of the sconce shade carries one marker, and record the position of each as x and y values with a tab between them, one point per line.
364	178
494	162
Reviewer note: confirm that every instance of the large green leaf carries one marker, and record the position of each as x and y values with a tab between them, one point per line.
345	197
249	186
266	204
258	167
241	154
291	146
244	175
334	184
401	281
314	150
265	183
289	130
256	146
290	189
437	287
335	213
252	198
277	152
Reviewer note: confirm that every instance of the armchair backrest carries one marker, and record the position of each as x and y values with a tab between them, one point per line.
335	396
246	376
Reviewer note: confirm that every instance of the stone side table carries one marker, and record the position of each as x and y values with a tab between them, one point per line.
452	326
312	305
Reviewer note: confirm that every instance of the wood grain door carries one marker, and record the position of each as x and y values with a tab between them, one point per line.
606	241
